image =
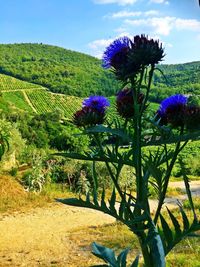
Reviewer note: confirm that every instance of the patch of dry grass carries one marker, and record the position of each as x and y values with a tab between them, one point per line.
13	197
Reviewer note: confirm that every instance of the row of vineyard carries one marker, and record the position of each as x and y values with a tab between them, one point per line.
11	83
44	101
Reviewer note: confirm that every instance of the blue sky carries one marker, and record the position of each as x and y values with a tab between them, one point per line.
88	26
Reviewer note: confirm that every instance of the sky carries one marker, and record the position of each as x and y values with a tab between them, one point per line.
89	26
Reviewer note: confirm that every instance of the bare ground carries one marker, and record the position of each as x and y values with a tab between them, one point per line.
41	237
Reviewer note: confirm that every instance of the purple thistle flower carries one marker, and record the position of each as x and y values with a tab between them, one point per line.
172	110
147	51
97	103
116	53
88	117
125	103
92	112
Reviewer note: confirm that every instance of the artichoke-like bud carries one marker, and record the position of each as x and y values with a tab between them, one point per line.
125	103
92	112
88	117
126	57
147	52
172	110
117	56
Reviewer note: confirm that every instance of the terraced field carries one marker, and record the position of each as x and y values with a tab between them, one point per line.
10	83
44	101
35	98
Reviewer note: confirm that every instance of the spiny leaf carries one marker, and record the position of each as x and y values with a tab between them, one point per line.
187	186
167	231
121	259
122	208
112	201
88	197
103	129
104	253
175	223
103	203
186	223
136	262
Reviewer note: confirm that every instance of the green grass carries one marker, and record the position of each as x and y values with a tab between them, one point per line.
16	99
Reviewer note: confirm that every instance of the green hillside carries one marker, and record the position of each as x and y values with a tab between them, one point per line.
177	78
60	70
21	95
77	74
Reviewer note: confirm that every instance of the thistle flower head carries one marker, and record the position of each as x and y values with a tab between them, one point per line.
172	110
127	57
88	117
92	112
116	53
98	103
125	103
147	51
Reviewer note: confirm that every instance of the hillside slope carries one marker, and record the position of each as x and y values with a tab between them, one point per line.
61	70
19	95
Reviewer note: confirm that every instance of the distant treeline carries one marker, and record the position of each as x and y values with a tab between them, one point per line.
74	73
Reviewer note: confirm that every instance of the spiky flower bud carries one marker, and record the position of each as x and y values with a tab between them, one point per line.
125	103
92	112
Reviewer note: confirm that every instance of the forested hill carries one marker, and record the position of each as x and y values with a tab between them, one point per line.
180	75
61	70
77	74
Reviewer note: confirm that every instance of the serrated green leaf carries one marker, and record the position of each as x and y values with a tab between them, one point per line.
112	201
176	224
104	253
167	231
121	259
122	207
173	139
187	186
103	203
88	197
75	202
136	262
104	129
186	223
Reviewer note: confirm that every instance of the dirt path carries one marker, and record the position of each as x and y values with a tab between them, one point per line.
28	101
41	236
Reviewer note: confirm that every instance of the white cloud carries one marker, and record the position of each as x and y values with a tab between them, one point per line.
124	14
164	25
98	46
187	24
100	43
159	2
119	2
